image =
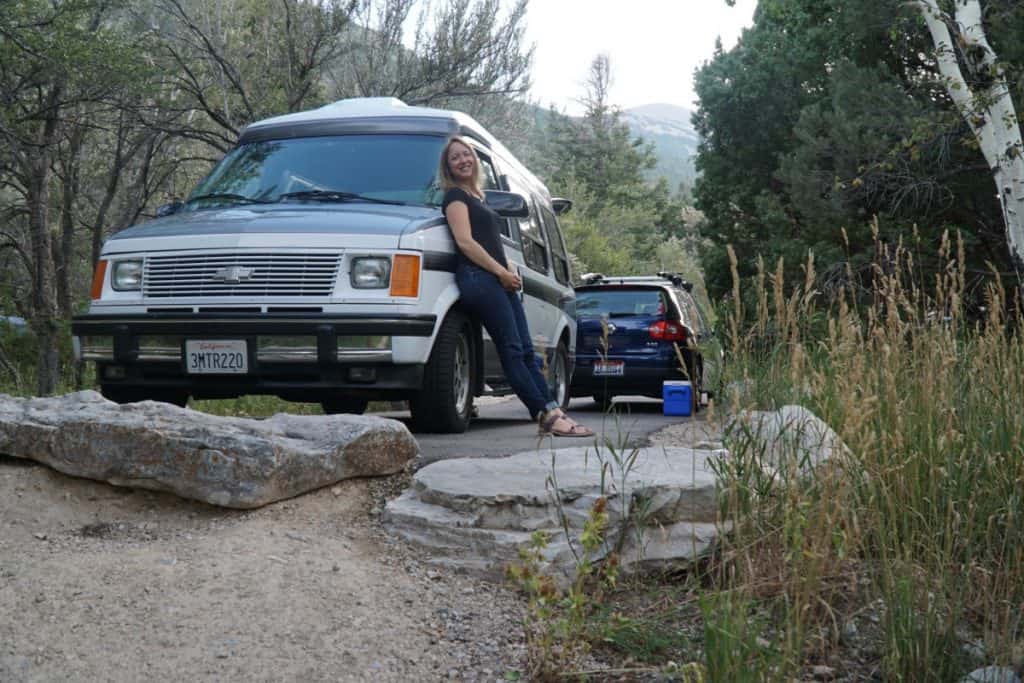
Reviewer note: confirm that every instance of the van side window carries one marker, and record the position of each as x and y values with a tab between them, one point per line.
487	169
560	260
492	182
535	251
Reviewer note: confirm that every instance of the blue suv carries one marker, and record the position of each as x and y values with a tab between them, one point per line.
633	333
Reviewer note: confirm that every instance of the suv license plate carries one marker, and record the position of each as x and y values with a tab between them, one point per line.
216	357
605	368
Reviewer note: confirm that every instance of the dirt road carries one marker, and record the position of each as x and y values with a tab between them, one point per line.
105	584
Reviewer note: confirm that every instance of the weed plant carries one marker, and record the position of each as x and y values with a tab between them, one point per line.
920	523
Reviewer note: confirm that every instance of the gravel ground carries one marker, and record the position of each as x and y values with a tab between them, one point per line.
102	583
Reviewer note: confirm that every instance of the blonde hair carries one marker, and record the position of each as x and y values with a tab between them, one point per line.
444	174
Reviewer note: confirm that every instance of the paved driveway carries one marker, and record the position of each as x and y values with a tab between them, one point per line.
503	428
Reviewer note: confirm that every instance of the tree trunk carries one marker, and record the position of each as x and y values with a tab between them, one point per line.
44	305
64	256
988	108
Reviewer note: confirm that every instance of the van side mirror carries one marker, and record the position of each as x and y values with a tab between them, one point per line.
507	204
168	209
561	205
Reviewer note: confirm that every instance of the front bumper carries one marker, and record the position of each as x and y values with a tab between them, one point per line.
369	373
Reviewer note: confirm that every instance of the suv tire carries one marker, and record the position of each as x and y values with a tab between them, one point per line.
603	400
445	403
696	384
337	405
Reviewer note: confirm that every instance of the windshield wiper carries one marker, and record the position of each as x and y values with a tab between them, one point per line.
337	196
230	196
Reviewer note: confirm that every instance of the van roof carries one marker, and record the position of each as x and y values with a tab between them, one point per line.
380	115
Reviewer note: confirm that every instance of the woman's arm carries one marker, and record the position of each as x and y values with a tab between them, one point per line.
457	214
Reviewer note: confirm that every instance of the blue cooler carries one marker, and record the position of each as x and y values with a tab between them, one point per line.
677	395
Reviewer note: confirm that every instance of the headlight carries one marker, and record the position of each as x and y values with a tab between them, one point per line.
127	276
371	272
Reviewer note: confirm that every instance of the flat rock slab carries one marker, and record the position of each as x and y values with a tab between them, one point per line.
226	461
477	513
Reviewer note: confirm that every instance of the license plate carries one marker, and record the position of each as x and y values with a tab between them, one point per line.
216	357
607	368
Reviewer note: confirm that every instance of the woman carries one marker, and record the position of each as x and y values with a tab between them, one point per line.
488	287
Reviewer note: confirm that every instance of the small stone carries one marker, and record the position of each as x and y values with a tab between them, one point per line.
336	490
433	576
335	568
822	672
974	649
41	536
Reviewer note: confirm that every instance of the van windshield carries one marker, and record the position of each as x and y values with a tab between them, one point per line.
396	168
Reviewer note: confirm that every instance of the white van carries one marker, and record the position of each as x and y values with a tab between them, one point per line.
313	263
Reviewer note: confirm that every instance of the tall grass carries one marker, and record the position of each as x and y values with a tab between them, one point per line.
923	517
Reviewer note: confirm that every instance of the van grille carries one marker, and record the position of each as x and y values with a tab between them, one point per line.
240	274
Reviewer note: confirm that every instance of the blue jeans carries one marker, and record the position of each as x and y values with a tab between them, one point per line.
501	313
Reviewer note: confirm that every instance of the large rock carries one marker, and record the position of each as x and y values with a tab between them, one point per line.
226	461
791	438
992	674
477	513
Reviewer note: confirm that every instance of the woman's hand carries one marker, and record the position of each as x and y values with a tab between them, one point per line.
510	280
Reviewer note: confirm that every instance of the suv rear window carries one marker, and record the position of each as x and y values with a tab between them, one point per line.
394	167
620	302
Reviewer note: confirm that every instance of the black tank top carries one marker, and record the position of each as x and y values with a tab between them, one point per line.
484	223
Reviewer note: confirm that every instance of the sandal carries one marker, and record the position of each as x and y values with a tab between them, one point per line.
549	425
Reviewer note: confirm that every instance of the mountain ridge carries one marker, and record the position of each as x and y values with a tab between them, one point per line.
668	127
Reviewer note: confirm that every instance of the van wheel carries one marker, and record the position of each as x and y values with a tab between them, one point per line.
337	405
445	402
135	394
558	376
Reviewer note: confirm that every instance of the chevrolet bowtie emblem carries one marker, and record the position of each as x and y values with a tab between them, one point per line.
233	274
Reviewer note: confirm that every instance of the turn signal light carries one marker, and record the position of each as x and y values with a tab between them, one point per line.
666	330
405	275
98	276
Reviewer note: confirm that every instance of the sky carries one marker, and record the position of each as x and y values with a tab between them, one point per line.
653	45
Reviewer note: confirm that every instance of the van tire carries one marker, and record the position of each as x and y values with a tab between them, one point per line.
560	366
445	403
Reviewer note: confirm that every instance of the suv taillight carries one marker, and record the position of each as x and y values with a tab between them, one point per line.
666	330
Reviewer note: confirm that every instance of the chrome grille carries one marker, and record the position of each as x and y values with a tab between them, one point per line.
240	274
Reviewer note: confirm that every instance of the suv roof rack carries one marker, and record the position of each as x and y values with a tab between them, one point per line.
677	280
674	278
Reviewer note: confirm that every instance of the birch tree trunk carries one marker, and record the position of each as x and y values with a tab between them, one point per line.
986	105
